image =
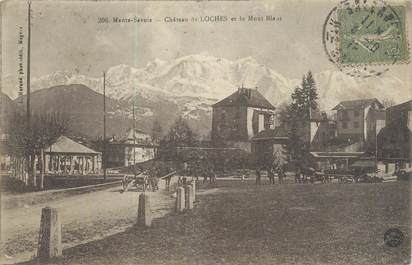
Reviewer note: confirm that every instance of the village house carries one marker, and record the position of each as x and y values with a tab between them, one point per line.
135	147
353	120
395	140
241	116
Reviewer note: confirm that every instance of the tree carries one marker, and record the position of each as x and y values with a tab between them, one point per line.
304	98
47	128
297	115
179	135
388	102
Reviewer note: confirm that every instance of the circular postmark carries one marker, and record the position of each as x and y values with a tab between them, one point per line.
393	237
364	37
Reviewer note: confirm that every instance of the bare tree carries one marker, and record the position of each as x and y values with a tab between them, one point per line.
25	142
388	102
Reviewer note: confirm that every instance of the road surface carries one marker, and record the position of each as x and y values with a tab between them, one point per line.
84	218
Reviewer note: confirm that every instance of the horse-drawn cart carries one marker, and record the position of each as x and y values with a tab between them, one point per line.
142	182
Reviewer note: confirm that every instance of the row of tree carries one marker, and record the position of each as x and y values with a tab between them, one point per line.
26	141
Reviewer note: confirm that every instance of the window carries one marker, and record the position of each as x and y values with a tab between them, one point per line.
344	125
356	113
356	124
268	121
344	115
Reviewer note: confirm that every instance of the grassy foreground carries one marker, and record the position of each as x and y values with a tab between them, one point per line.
240	223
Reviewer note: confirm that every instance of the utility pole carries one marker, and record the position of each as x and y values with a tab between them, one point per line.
30	158
28	110
104	126
376	145
134	139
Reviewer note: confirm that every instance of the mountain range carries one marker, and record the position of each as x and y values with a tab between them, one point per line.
188	86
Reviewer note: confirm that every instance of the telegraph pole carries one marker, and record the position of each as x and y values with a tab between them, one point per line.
28	110
134	139
104	126
30	158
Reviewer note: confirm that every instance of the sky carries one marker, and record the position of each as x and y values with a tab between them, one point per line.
67	37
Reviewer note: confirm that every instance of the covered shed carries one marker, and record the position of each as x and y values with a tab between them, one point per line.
334	160
69	157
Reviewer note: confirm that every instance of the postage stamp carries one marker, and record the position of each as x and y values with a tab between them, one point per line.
364	38
372	35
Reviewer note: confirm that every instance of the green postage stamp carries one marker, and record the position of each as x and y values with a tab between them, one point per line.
372	35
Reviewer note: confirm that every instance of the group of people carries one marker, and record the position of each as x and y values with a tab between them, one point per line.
272	171
204	171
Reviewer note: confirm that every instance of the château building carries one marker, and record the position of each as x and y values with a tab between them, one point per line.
239	117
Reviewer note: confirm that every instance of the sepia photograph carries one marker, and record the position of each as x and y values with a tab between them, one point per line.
205	132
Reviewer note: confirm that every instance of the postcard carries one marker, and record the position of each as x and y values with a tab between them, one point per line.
206	132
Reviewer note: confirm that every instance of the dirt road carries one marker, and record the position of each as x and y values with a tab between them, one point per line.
84	218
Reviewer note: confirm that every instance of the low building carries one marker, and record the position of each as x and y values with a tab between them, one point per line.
269	145
334	160
66	156
239	117
135	147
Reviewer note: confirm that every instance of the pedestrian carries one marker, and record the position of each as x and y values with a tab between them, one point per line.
271	175
204	173
168	179
281	174
258	176
242	178
297	176
213	177
179	182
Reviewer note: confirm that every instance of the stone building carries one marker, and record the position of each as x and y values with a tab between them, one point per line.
241	116
352	118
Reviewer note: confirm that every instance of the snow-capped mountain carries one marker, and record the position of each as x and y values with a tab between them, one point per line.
191	84
203	76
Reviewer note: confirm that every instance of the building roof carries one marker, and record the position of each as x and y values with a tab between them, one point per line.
65	145
357	104
403	106
277	133
364	163
336	154
246	97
